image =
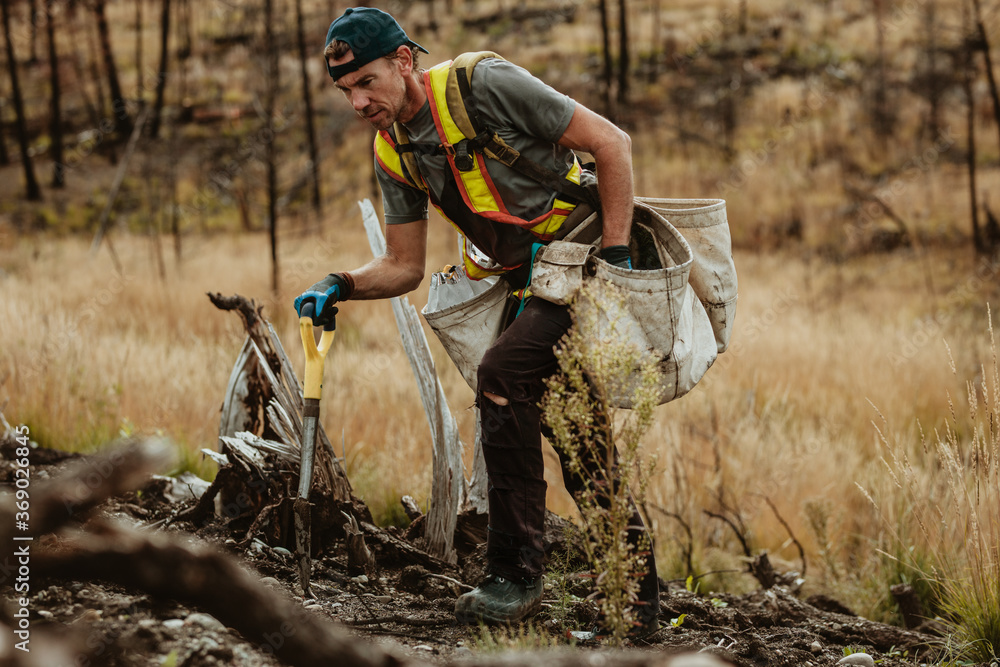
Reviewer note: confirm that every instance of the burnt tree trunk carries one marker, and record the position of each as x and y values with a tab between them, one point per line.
72	24
123	123
307	99
271	94
55	112
33	21
606	75
968	74
33	192
161	79
138	48
4	156
984	46
934	87
881	117
624	57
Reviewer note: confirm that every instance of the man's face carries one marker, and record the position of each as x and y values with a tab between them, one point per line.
377	91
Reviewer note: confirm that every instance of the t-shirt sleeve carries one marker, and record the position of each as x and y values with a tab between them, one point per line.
402	202
522	100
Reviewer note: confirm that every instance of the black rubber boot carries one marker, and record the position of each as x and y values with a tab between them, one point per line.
499	600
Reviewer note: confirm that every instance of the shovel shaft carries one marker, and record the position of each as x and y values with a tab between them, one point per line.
311	392
308	458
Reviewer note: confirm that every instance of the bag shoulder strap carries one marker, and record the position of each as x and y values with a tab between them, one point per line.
407	159
458	91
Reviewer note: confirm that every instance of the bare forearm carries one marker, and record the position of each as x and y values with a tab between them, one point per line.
612	151
615	185
400	269
384	277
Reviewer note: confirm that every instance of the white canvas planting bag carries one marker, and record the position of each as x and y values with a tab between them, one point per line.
703	224
466	315
659	309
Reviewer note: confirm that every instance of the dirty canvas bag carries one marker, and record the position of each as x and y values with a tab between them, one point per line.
466	316
704	225
558	271
654	308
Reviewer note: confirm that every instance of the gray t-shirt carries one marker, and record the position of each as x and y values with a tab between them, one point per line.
527	113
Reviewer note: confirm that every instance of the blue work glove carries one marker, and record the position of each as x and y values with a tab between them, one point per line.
323	295
617	255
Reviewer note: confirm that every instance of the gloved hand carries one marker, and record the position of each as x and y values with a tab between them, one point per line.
335	287
617	255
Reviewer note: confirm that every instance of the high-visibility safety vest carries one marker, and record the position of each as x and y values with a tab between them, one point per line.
471	201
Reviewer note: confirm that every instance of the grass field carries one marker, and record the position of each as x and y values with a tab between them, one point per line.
820	352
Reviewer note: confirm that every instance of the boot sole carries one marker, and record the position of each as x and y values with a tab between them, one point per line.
470	617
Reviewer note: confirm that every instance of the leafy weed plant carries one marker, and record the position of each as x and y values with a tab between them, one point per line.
586	427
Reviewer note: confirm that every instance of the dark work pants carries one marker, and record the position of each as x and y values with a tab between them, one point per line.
515	368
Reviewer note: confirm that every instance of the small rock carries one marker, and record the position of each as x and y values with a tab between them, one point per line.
335	605
282	551
174	624
857	659
207	645
313	606
45	614
270	581
424	647
816	647
360	579
837	627
384	599
206	621
463	652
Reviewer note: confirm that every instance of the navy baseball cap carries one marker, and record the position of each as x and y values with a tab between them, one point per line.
371	34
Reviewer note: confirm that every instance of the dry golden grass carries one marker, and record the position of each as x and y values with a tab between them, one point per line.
784	414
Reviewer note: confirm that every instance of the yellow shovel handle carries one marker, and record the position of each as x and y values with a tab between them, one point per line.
313	382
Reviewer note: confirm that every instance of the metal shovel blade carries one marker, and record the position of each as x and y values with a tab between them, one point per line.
302	507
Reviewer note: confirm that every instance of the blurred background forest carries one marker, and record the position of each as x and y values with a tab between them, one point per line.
153	150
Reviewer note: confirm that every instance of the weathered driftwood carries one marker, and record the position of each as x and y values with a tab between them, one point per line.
475	497
264	397
360	559
448	476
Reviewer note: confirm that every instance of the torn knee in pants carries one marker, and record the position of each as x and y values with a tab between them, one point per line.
499	400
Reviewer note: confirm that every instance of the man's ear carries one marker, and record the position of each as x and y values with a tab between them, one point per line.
404	56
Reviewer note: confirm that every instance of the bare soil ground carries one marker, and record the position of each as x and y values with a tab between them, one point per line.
411	609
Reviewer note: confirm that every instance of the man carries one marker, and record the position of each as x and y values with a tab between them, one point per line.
503	213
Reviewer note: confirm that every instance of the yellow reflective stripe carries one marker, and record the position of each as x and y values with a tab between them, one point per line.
388	156
439	80
475	189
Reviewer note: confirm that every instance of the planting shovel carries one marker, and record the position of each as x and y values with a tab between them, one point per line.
312	389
